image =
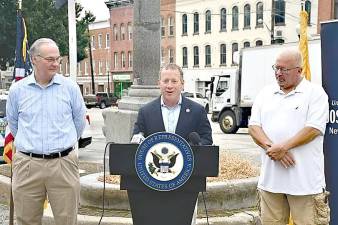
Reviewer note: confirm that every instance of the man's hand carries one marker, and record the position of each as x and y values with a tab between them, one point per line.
137	138
287	161
276	152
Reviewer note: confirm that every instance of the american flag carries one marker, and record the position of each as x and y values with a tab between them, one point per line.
23	68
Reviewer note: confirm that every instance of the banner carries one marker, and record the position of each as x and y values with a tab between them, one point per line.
329	43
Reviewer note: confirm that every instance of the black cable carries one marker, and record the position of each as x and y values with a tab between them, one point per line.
205	207
104	179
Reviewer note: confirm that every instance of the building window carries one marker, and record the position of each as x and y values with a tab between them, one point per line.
100	67
280	12
162	56
308	10
223	56
247	15
86	68
259	43
107	66
184	24
107	40
335	13
196	23
162	27
207	55
123	60
208	21
171	55
79	69
259	14
92	42
234	49
246	44
130	59
116	60
116	33
123	32
171	26
94	67
185	57
235	18
130	31
223	19
196	56
100	40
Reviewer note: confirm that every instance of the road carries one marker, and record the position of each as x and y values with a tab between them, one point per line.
240	142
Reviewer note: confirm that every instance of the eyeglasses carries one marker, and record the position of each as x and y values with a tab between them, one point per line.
283	70
52	59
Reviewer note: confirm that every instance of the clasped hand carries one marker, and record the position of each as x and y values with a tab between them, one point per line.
278	153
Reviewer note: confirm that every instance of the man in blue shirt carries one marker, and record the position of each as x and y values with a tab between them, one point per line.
46	115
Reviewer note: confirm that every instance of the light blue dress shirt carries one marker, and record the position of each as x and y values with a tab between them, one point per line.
170	115
48	119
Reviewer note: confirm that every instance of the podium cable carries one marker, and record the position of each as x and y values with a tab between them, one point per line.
104	180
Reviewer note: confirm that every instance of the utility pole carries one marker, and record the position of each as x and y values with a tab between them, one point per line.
91	62
272	31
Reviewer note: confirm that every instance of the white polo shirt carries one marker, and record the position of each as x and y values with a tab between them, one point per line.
281	116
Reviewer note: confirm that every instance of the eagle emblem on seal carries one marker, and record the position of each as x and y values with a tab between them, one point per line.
163	161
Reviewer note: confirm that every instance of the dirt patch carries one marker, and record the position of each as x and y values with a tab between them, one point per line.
231	167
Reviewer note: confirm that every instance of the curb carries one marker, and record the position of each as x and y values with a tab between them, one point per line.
242	218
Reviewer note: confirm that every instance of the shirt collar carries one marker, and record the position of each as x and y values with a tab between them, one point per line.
299	88
55	80
164	105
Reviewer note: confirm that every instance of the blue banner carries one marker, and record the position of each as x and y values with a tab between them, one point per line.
329	43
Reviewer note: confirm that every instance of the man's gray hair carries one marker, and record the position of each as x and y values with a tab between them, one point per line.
171	66
35	48
294	54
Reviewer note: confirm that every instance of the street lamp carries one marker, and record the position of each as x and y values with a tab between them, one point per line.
271	31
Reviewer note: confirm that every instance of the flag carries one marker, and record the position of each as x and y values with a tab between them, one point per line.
303	44
23	66
8	146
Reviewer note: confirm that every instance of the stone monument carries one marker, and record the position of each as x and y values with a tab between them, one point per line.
118	123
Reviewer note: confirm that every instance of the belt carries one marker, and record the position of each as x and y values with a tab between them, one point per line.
50	156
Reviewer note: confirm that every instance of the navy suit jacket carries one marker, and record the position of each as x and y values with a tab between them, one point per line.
192	118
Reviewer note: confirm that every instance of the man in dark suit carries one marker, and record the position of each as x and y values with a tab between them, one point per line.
171	112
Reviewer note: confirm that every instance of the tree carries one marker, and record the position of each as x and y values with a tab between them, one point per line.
42	20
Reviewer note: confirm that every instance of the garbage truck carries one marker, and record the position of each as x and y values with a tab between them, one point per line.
234	90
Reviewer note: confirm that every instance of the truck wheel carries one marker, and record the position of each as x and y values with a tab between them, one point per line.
228	123
102	105
207	108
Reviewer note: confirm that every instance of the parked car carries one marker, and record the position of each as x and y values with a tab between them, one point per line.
198	97
101	99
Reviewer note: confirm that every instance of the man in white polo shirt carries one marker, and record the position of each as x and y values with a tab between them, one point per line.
288	121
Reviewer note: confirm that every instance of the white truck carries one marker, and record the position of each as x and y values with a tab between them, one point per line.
234	90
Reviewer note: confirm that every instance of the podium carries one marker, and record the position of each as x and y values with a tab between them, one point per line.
151	207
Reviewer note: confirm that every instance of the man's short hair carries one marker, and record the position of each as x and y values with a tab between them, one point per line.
294	54
171	66
35	48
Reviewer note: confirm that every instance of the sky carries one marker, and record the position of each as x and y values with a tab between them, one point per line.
97	7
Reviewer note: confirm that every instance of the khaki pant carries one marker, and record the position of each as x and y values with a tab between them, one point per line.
275	209
34	178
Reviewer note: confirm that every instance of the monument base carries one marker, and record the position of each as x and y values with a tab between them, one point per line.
119	123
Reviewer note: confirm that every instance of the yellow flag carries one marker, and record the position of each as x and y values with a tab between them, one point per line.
303	44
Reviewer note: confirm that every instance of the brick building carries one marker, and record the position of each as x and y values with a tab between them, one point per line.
327	10
121	55
100	41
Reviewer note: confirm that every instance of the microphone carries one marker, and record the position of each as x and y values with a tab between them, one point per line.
195	138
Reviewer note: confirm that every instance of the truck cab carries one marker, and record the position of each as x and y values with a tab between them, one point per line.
224	100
